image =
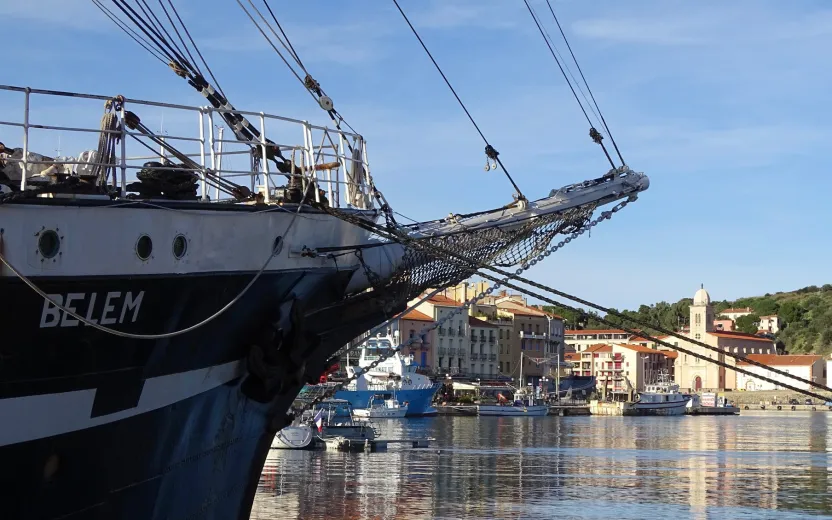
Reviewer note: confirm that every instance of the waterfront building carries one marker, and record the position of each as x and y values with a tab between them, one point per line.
408	326
769	324
622	368
483	353
696	374
733	314
531	337
580	340
450	350
809	367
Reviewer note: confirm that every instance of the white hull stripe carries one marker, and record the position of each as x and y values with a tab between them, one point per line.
40	416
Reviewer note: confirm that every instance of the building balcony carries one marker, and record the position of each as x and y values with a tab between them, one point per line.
492	357
492	339
443	351
451	332
441	331
533	335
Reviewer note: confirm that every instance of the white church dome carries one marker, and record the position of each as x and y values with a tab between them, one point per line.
702	297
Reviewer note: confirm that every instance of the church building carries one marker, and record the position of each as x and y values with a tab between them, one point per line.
696	374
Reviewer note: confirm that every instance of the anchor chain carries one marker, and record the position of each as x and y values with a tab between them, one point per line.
606	215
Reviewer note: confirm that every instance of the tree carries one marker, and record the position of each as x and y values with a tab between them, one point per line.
790	313
748	323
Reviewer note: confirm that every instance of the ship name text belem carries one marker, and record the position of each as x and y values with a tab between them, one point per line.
105	308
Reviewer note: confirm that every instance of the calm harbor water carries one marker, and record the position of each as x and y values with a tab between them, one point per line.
757	465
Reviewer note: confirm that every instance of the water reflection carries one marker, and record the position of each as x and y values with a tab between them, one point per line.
759	465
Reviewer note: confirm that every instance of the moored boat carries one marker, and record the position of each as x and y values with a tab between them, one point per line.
383	406
660	398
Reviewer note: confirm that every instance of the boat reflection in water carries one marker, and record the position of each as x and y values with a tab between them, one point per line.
761	466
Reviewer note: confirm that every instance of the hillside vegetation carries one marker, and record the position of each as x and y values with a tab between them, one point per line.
806	313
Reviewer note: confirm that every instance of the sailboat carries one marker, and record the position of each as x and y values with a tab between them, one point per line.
157	331
523	405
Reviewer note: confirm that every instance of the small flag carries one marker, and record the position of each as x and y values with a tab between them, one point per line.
319	420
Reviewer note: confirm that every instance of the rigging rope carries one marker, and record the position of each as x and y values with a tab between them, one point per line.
443	252
490	152
312	86
593	133
581	72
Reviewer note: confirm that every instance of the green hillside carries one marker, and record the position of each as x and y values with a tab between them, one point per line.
807	314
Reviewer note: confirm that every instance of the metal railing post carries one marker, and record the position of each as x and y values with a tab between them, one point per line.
202	149
265	158
310	158
25	164
218	172
342	158
213	156
123	155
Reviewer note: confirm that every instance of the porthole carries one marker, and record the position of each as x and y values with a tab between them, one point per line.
180	246
144	247
49	243
277	246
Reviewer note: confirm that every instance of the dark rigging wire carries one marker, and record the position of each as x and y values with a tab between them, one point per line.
490	151
592	132
603	121
188	34
450	255
138	38
291	48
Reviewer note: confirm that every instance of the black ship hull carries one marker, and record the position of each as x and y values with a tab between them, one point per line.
96	426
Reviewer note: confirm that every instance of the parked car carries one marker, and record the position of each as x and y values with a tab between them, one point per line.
794	401
809	401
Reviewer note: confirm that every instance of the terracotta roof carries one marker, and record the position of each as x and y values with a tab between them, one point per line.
593	331
515	307
476	322
443	300
769	316
571	356
415	315
599	347
774	359
734	311
738	335
638	348
637	339
672	354
550	314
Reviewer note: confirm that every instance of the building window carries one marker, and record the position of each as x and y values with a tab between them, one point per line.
537	329
698	319
698	336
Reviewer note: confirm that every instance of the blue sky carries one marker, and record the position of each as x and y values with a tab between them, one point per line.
724	105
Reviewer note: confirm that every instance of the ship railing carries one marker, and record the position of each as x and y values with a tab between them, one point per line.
330	163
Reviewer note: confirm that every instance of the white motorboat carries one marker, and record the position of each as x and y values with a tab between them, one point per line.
382	406
660	398
294	438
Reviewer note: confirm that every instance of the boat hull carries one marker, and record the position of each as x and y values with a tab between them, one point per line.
512	411
96	426
388	413
657	409
418	400
294	438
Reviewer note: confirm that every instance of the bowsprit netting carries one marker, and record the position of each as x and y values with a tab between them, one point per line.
447	259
